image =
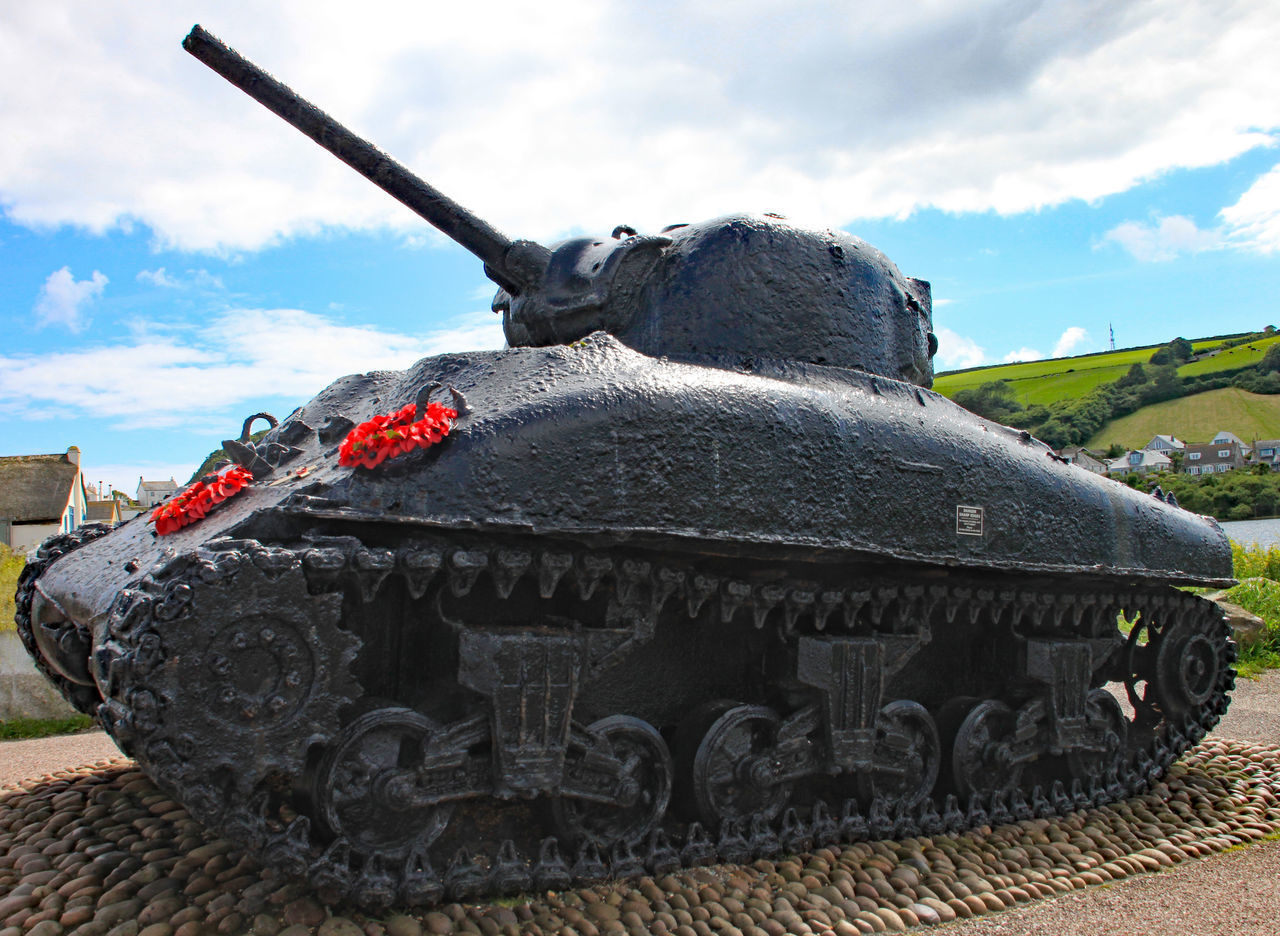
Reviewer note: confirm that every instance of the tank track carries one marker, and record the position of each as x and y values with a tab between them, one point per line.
278	667
74	640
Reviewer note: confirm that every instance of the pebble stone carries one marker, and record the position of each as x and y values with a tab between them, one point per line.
99	851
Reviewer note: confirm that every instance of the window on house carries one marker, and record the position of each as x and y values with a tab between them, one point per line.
1224	453
1222	468
1193	470
1194	456
1266	453
1135	458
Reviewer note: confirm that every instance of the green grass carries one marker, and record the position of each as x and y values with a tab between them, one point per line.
21	728
1086	371
1245	355
1196	418
1068	378
11	564
1259	591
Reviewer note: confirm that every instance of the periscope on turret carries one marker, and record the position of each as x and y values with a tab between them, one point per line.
697	568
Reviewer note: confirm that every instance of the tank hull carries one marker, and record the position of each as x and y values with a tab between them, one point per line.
600	443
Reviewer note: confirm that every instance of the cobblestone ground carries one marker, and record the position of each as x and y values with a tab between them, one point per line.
100	850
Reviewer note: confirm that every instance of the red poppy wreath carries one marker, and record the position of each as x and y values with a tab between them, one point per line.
195	501
382	437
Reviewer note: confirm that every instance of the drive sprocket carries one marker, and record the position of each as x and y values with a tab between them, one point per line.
222	671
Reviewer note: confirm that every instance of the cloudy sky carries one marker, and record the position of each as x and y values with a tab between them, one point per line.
173	257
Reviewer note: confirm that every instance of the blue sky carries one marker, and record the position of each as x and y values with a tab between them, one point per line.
174	258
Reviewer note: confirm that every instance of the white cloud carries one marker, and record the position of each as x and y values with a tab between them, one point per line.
62	299
192	279
1253	222
620	112
194	379
1163	239
956	351
1070	340
157	278
1022	354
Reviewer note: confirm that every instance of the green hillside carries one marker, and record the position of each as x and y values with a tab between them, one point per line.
1195	419
1067	378
1095	399
1070	376
1235	358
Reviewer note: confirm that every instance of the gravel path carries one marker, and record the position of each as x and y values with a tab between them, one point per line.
22	760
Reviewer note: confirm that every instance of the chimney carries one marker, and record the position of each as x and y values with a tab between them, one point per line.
73	455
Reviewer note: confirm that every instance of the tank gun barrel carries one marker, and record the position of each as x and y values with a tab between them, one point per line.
512	264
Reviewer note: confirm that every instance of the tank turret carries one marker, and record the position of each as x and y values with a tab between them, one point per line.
724	291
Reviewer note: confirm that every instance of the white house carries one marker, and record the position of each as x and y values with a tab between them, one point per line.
1140	461
153	493
1083	458
40	495
1166	444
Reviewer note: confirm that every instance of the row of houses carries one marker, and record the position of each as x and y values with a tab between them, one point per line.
41	495
1165	453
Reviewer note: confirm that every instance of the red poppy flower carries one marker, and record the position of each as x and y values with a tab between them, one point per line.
195	501
386	436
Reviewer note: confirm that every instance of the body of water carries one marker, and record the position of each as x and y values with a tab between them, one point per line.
1253	532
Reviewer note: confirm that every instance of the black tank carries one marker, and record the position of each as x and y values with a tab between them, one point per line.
698	569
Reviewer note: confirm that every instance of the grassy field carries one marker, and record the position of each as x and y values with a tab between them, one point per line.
1114	363
1196	419
1231	359
1066	378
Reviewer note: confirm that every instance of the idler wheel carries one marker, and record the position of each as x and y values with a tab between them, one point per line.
1102	710
980	761
646	788
1139	671
1188	664
732	776
364	786
908	754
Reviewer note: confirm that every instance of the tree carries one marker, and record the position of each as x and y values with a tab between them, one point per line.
1270	362
1180	349
1137	375
993	400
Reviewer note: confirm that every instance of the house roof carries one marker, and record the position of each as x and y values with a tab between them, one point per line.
35	488
1150	458
1207	452
158	485
1168	440
1076	452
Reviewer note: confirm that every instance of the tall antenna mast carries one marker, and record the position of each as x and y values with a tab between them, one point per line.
1111	328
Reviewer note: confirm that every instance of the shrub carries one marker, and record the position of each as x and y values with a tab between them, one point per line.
11	564
1260	595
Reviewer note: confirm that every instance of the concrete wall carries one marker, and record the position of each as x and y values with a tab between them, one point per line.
24	537
24	693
